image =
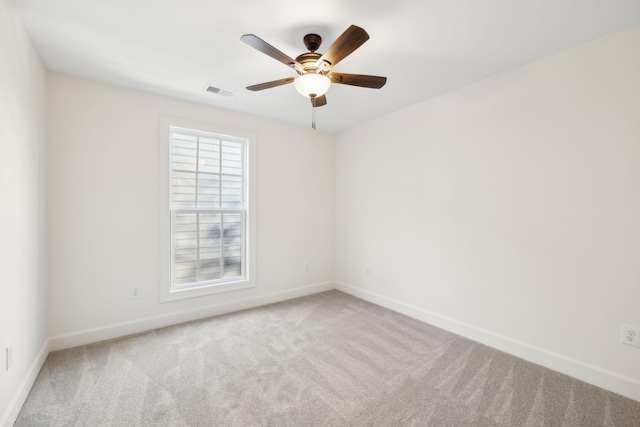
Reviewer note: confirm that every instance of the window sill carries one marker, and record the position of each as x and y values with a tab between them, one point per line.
200	291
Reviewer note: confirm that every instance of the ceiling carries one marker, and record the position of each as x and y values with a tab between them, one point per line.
424	47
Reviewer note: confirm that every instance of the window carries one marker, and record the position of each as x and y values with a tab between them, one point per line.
209	212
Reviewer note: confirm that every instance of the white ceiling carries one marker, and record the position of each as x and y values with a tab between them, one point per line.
424	47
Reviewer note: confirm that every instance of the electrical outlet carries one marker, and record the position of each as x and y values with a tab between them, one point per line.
135	292
307	267
630	335
367	271
9	355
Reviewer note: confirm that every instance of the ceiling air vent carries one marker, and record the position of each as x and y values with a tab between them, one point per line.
216	90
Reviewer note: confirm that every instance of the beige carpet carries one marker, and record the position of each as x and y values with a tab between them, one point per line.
323	360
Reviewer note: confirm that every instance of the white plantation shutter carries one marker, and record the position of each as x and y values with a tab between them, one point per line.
208	208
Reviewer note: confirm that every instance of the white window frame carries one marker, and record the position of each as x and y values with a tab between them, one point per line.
168	292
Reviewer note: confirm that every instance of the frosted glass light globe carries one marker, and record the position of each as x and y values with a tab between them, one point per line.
312	85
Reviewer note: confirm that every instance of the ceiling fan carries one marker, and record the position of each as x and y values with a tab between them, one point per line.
314	69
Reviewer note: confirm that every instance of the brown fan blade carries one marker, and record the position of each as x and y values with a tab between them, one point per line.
373	82
269	85
350	40
319	101
264	47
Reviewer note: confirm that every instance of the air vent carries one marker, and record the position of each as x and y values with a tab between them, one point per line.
216	90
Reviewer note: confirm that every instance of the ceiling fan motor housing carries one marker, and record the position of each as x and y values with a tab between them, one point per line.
309	61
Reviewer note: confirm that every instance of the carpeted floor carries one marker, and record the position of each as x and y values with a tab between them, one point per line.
323	360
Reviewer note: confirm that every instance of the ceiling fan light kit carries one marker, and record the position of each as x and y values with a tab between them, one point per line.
312	85
314	70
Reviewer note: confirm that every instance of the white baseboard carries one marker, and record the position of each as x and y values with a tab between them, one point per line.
608	380
12	411
118	330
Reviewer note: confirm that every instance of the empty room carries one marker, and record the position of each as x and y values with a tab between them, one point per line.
345	213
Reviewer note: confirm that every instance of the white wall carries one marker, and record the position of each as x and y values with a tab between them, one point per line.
23	308
104	219
508	211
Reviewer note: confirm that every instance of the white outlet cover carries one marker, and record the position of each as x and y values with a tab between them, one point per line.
630	335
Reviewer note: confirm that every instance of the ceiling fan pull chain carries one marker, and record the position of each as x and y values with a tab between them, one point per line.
313	117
